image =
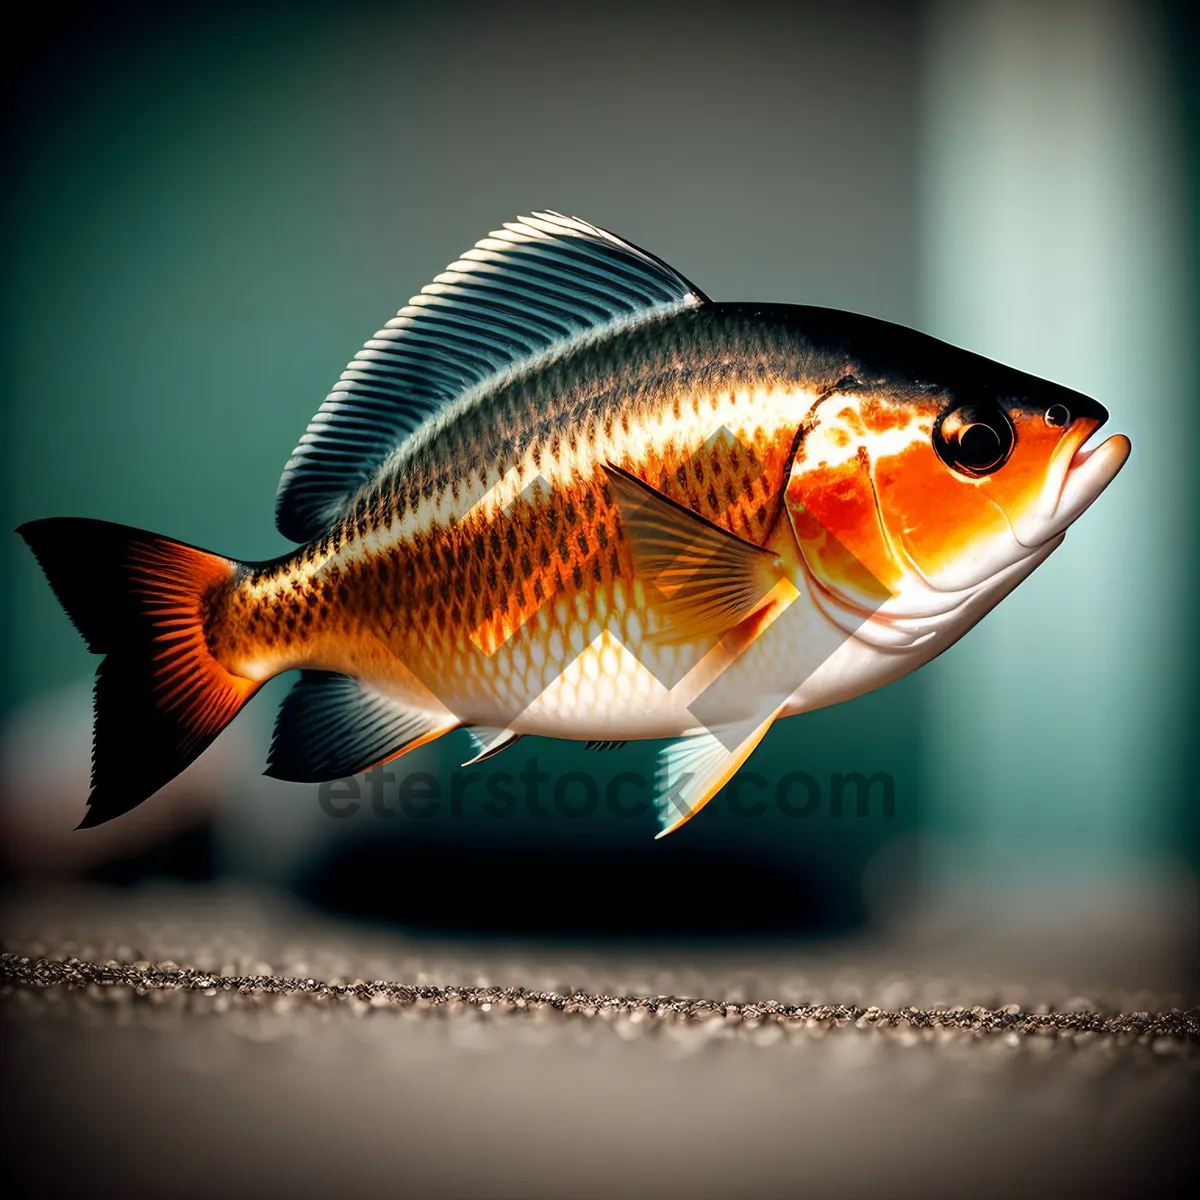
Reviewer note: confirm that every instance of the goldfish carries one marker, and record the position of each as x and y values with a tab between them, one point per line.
565	493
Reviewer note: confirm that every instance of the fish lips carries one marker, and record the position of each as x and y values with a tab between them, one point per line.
1077	474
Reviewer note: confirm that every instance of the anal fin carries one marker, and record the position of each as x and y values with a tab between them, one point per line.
692	770
489	742
332	726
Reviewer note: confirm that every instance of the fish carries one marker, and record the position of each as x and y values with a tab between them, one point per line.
564	493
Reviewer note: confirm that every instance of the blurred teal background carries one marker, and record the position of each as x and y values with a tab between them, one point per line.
209	213
1056	232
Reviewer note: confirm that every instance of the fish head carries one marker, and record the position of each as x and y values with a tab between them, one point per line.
936	477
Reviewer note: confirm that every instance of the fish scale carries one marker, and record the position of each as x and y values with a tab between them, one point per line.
572	534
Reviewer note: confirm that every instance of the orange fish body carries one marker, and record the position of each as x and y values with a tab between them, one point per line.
563	493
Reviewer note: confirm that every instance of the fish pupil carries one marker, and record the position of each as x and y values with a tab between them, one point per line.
973	440
980	446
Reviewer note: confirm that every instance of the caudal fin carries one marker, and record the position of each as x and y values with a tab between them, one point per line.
141	601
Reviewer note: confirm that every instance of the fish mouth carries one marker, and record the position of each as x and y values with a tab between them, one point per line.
1078	472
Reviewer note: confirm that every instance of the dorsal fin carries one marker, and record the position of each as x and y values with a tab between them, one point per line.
540	280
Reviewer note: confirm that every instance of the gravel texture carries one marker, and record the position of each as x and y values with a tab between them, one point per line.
204	1039
1161	1030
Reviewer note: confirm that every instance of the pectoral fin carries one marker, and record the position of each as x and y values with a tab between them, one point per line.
692	770
703	579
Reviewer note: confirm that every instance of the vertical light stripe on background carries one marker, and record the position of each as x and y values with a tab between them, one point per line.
1053	239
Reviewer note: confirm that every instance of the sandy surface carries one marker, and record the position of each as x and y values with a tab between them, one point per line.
214	1038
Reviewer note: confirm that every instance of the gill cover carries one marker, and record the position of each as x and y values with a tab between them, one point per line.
934	482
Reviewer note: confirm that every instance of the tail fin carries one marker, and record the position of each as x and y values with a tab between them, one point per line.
161	697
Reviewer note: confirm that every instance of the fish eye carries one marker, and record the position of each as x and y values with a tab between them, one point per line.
974	440
1057	416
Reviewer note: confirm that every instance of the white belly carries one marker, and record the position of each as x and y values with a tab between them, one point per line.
611	692
803	661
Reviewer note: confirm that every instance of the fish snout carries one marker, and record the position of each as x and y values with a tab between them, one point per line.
1077	472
